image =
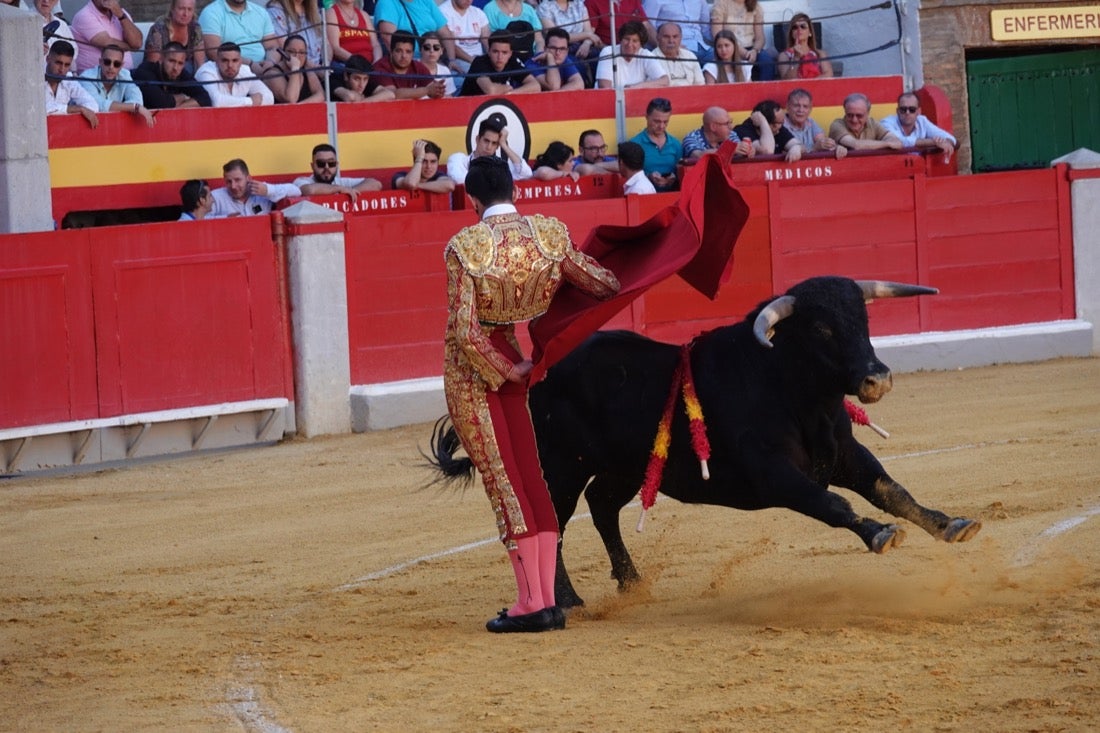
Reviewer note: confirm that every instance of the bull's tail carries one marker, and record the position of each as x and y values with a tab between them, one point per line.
444	444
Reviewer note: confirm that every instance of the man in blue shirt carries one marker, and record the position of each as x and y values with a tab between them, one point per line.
917	131
662	151
112	87
555	69
415	16
239	21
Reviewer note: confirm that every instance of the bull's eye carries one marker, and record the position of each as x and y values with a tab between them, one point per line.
823	330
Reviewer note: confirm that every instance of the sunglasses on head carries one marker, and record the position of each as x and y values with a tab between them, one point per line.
910	110
111	63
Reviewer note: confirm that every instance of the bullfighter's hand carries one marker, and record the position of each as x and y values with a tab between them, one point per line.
519	372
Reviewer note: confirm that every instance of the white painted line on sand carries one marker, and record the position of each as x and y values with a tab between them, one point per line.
1027	554
250	712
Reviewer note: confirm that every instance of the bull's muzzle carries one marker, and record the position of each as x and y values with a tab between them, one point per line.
875	386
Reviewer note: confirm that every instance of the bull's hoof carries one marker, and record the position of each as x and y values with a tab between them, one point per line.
889	536
961	530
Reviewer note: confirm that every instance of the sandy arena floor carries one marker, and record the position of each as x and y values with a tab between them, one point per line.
315	586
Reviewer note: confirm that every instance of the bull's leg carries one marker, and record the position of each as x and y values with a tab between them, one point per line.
605	497
861	472
788	487
565	490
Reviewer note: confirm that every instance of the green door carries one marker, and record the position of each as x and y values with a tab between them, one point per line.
1027	110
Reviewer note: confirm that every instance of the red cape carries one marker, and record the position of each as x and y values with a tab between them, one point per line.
693	238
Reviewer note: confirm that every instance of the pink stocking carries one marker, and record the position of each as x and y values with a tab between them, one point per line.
525	564
548	564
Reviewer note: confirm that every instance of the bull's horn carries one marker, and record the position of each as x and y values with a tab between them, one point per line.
773	313
881	289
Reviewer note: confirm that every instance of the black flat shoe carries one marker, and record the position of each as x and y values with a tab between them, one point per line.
526	623
559	616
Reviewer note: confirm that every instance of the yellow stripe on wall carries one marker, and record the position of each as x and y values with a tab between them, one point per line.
111	165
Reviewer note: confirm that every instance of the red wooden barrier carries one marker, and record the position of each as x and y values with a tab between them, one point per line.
120	320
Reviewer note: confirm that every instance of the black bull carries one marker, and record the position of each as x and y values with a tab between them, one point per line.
772	389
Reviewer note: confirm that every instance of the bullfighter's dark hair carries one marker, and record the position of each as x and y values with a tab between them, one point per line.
489	180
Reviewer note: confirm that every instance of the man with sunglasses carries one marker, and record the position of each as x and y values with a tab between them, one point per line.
113	88
326	178
102	23
917	131
857	130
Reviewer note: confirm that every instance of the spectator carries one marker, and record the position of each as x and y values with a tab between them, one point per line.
497	72
293	80
243	23
414	17
632	169
403	75
502	12
917	131
424	174
637	68
726	66
693	16
50	10
112	87
351	32
357	85
196	200
717	128
802	126
857	130
802	59
555	70
102	23
231	83
243	196
662	151
431	51
766	131
492	136
599	14
180	26
301	18
470	28
555	162
64	95
326	178
167	84
681	65
572	17
745	19
594	159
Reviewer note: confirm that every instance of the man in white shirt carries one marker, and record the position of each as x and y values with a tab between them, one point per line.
243	196
236	85
65	95
681	65
326	178
492	135
917	131
470	27
632	169
637	68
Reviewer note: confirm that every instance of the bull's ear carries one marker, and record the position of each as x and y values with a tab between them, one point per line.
774	312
